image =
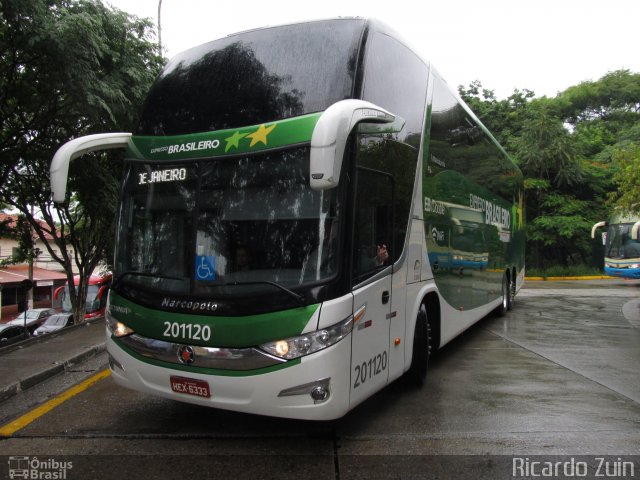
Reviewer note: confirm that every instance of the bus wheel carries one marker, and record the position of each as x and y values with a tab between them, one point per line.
512	293
504	306
422	345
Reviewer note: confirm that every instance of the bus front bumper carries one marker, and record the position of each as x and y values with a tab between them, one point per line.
285	392
622	272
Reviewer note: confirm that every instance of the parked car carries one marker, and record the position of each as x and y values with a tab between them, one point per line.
54	323
12	334
33	318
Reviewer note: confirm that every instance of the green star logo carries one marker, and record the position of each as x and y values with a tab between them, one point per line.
234	140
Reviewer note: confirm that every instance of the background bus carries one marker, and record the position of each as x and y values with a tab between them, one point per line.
277	217
621	246
97	294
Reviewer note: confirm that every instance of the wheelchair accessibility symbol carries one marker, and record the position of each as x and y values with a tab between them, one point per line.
205	267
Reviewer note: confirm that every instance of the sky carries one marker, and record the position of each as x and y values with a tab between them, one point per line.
541	45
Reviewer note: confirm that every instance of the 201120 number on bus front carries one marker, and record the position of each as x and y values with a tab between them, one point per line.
372	367
191	331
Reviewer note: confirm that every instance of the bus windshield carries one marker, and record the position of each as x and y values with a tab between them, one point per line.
209	226
92	304
619	242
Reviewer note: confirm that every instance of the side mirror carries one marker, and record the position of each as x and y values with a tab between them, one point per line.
596	227
329	138
59	170
102	291
56	293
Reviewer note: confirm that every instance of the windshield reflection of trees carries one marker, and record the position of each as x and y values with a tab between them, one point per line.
255	77
224	89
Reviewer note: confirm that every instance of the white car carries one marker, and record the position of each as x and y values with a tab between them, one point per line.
32	319
54	323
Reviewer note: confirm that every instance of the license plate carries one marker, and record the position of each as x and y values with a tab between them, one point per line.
190	386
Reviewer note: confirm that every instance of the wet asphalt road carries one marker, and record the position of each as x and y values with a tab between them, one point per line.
559	375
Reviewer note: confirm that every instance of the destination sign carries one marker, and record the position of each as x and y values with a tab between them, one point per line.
165	175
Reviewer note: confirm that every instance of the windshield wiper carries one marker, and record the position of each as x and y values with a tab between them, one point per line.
297	297
118	281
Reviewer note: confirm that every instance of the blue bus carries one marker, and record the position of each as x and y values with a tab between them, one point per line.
621	245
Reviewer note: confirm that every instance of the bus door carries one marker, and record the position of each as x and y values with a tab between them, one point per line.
373	229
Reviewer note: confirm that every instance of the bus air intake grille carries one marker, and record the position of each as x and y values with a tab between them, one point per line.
203	357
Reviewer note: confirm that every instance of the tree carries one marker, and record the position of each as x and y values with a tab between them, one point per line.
560	184
571	149
558	229
614	97
504	118
626	198
546	150
68	68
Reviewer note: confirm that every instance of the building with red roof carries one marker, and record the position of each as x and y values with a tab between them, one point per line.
47	274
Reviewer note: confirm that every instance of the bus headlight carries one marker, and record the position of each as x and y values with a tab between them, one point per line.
302	345
117	328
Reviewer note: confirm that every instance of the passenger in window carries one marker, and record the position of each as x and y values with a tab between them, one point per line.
369	262
242	259
382	254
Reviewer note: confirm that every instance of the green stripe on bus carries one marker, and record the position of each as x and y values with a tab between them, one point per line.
291	131
230	332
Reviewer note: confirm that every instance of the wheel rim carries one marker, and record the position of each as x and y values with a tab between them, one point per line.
505	292
512	292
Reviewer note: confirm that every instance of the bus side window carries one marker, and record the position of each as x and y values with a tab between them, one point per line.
373	221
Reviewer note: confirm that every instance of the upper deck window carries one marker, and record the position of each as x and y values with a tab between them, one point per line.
254	77
396	79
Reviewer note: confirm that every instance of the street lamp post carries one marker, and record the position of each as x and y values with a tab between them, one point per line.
159	27
32	250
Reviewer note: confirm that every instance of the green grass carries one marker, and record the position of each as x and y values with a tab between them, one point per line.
560	271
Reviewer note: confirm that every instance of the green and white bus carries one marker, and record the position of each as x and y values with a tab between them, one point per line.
308	211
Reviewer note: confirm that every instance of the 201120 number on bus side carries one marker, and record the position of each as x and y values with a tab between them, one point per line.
374	366
191	331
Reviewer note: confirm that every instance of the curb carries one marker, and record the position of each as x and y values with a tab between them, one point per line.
51	371
555	279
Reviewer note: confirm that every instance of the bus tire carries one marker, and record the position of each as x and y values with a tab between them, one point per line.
512	292
422	346
504	307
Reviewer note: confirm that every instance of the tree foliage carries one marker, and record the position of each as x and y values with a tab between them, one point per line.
579	154
626	197
74	67
68	68
545	150
614	98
